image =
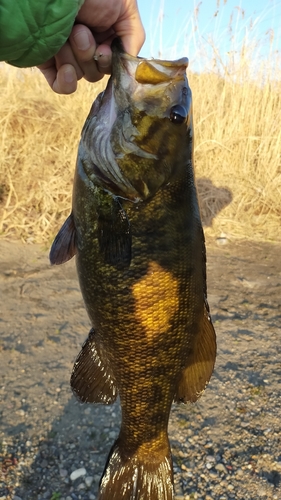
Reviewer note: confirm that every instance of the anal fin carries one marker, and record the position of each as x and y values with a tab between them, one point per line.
90	380
200	363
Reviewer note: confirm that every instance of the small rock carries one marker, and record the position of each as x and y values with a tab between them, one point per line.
81	486
78	473
213	475
178	491
221	468
222	239
44	464
89	481
63	472
16	498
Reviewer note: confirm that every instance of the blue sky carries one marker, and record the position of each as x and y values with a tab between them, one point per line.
173	30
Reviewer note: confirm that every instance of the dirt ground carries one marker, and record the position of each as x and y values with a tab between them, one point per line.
228	445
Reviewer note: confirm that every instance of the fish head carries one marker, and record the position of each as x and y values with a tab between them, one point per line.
137	137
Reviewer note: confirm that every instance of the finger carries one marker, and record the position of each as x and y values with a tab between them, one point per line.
103	35
62	71
123	17
129	27
103	57
66	56
82	43
66	80
84	46
63	81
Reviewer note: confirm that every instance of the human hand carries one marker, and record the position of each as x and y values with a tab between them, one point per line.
87	52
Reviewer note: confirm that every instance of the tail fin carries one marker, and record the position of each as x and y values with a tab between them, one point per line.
131	477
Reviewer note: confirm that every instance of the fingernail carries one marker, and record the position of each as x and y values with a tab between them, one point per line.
104	61
68	76
81	40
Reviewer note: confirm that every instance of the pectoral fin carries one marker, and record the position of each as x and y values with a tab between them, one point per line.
114	234
199	369
64	245
91	380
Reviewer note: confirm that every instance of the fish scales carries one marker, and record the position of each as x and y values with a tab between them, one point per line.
136	231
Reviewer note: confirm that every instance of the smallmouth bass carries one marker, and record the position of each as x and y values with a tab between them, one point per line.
136	231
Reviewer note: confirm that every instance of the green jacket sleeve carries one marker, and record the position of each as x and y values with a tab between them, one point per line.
32	31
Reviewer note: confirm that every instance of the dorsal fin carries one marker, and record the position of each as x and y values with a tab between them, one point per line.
64	245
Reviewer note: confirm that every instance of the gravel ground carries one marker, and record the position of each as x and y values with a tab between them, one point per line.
226	446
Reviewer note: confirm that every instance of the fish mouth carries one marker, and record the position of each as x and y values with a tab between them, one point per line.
146	71
153	86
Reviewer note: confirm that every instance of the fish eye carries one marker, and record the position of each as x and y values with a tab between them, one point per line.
177	114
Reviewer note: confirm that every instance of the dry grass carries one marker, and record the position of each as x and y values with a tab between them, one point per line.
238	147
40	135
237	151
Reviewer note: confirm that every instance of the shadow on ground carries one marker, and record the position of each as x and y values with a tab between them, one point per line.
232	433
212	199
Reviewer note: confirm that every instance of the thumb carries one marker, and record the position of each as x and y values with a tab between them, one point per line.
131	31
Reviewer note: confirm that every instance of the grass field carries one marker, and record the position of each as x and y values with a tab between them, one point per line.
237	150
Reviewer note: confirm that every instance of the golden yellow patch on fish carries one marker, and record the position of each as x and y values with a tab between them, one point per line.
156	300
147	73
